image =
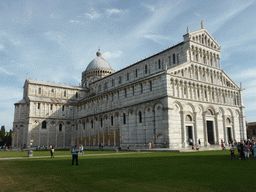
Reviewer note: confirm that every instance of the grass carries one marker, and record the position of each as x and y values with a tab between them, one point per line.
6	154
158	171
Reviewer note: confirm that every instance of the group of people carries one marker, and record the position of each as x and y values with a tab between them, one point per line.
246	149
151	145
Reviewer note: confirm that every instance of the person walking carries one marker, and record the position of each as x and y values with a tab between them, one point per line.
199	142
75	155
82	150
52	151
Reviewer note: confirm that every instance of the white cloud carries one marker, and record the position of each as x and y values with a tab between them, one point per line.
113	11
149	7
4	71
74	21
2	47
109	55
157	38
54	16
93	15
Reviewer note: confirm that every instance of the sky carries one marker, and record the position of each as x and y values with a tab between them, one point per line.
55	40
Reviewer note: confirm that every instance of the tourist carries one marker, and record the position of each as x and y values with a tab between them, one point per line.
199	142
247	150
153	145
193	147
149	145
232	152
254	150
82	150
223	146
75	155
241	156
52	151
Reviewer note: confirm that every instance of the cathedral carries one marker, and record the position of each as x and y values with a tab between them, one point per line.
178	95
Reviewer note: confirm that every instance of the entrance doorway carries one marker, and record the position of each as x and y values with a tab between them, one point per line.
229	133
189	134
210	132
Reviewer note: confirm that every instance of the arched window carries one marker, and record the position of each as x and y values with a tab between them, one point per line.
124	119
228	121
112	120
209	112
44	125
60	127
140	117
188	118
63	108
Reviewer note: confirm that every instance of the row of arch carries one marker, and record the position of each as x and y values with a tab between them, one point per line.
206	57
204	74
203	39
198	91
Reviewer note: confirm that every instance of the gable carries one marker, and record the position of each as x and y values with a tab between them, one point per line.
202	37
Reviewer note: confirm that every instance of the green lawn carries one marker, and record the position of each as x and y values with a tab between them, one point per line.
158	171
6	154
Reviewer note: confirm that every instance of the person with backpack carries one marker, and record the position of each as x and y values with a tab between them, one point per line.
75	155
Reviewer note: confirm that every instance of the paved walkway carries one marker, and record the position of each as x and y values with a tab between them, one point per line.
34	157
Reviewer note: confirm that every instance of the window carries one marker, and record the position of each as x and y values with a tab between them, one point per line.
124	119
112	120
38	106
133	90
150	85
39	90
188	118
65	93
60	127
63	108
159	64
141	88
146	69
205	92
169	60
51	107
127	76
120	80
92	124
44	125
198	93
136	73
52	90
140	117
185	90
125	93
178	59
101	122
113	82
173	59
76	94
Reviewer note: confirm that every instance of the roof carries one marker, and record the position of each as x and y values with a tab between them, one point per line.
99	63
53	84
48	100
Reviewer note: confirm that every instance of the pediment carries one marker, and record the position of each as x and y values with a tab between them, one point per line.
204	38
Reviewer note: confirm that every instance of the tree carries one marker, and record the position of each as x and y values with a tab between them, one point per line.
2	132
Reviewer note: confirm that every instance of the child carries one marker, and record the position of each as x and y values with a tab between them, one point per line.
232	152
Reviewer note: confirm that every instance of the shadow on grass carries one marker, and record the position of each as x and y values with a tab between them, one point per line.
203	171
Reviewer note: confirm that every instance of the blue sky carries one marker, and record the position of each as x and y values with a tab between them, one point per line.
54	40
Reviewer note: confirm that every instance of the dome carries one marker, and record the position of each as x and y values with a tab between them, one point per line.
99	64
